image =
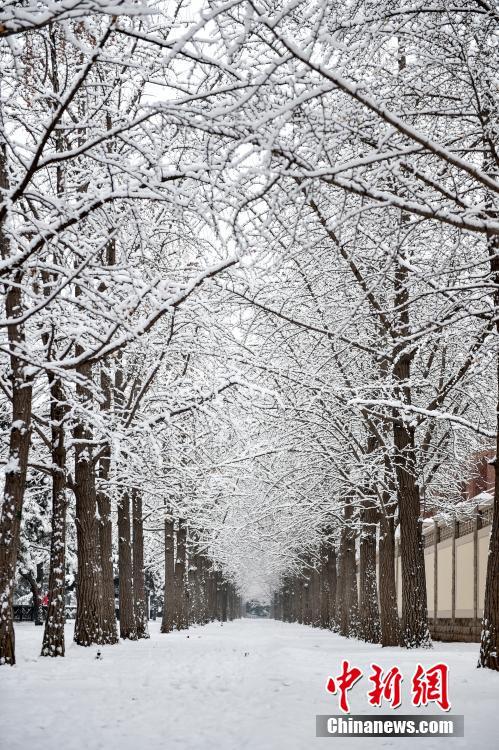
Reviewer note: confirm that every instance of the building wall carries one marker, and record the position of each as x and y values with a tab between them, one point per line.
459	570
465	589
444	579
429	562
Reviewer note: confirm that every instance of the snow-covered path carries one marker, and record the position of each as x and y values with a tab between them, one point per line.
254	684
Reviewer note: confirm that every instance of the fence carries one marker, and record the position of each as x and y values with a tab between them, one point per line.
27	612
456	567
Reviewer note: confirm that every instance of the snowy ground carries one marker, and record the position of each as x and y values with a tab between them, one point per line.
254	684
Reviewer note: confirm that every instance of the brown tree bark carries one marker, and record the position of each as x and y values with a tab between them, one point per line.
216	596
19	441
369	622
315	596
197	589
110	630
53	636
346	592
180	578
325	585
205	582
139	586
103	499
194	593
414	630
389	619
209	583
224	601
127	615
307	593
333	583
169	593
17	457
89	611
489	639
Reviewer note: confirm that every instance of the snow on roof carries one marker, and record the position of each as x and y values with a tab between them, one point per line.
484	499
481	501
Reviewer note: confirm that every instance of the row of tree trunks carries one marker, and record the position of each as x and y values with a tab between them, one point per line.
310	597
195	591
95	620
335	603
326	595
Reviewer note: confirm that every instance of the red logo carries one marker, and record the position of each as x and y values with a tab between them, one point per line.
431	686
428	686
386	686
344	682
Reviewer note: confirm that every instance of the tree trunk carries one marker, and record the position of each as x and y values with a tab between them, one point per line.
103	497
415	632
17	457
489	640
139	587
315	596
53	636
346	598
368	587
389	619
19	442
39	608
89	614
194	605
325	585
127	615
35	593
169	596
110	630
224	595
216	587
333	585
307	594
180	578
